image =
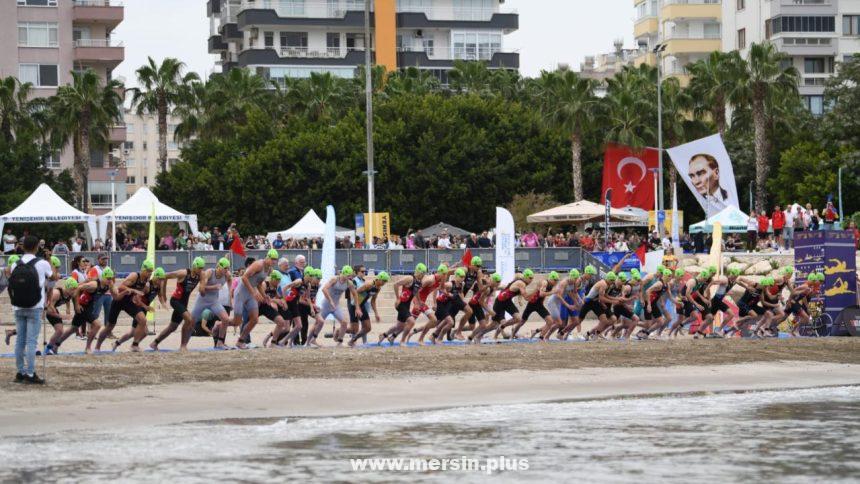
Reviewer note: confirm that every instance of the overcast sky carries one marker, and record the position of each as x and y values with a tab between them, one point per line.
551	32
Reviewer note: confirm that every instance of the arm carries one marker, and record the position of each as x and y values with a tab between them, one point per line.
51	308
373	305
617	267
354	294
204	278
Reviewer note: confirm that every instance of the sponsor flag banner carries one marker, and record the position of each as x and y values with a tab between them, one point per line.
379	225
150	253
505	243
716	259
667	222
625	171
359	225
705	167
833	253
327	264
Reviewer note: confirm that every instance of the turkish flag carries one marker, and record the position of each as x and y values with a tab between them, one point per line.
467	258
236	247
627	173
640	253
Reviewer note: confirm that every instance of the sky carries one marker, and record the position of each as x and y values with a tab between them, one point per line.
551	32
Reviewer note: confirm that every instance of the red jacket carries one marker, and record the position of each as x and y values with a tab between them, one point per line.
763	223
778	219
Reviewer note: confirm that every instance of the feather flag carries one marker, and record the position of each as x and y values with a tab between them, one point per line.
150	252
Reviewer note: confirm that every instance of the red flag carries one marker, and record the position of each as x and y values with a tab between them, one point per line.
626	172
237	247
640	253
467	258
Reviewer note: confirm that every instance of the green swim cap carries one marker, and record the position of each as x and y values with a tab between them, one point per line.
553	276
610	276
497	277
14	259
55	261
159	273
767	281
309	270
712	269
623	277
70	284
636	276
590	269
276	275
528	273
384	277
787	270
442	269
460	272
107	273
318	273
815	277
420	267
573	274
661	268
477	261
272	254
198	263
224	263
147	265
635	271
346	271
667	272
679	272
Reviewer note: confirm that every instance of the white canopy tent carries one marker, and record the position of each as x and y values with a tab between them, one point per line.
309	226
45	206
582	212
730	218
138	209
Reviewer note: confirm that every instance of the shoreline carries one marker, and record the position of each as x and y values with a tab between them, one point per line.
45	411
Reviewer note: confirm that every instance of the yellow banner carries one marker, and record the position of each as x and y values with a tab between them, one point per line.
379	226
150	253
716	259
667	224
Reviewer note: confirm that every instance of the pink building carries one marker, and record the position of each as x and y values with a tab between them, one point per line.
41	42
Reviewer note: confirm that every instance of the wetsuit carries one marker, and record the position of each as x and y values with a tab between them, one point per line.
457	301
127	303
592	302
423	292
443	304
336	291
621	309
536	303
87	303
243	300
363	301
750	301
180	296
61	301
505	303
406	294
149	297
654	301
266	310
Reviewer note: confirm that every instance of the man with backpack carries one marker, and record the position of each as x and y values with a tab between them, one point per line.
27	293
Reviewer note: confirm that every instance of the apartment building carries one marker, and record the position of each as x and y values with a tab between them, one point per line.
140	150
292	38
689	30
817	34
603	66
42	41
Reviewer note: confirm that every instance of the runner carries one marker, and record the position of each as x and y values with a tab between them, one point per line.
623	308
59	296
771	303
473	282
575	316
599	300
405	291
562	304
84	299
456	304
248	295
274	306
155	289
429	284
653	297
309	300
367	292
481	311
546	289
186	282
212	282
505	303
127	299
798	300
333	291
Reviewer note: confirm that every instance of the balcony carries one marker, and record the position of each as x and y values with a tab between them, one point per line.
686	9
304	9
216	45
101	51
328	53
645	26
105	12
804	7
230	31
805	45
444	58
117	134
301	56
645	57
457	17
683	43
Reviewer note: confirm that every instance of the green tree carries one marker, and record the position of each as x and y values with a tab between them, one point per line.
83	112
523	205
710	82
842	96
471	77
163	88
630	107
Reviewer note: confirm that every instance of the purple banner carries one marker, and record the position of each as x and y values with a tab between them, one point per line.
833	253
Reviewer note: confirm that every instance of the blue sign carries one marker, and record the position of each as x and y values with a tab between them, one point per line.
612	258
661	216
833	253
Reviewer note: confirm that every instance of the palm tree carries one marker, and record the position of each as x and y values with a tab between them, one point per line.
16	110
761	79
319	97
567	101
629	108
412	80
677	104
473	77
83	113
710	85
162	90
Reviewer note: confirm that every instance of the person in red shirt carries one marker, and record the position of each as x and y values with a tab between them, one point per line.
830	216
778	222
763	224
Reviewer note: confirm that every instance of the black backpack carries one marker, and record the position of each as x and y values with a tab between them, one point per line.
24	288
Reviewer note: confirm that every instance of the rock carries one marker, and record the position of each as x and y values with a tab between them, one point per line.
685	263
737	265
759	268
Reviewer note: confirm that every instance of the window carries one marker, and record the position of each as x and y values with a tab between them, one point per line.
332	40
40	75
144	180
798	23
37	34
80	33
37	3
428	46
129	129
354	42
129	163
476	45
269	39
813	65
815	104
742	4
128	145
171	145
144	146
52	160
473	9
171	162
130	180
294	39
742	39
851	25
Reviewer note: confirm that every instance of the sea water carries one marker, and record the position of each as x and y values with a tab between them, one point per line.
774	436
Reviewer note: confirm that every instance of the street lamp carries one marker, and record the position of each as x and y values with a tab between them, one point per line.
658	52
368	93
113	174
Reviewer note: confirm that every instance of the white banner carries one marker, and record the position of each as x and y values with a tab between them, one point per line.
505	245
327	261
707	170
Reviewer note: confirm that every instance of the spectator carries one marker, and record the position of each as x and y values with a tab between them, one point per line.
752	233
788	230
98	245
484	241
410	241
278	243
181	241
797	221
9	242
529	240
420	243
28	320
60	248
830	216
763	225
166	242
472	241
77	244
852	226
204	235
120	237
777	221
444	241
814	220
807	217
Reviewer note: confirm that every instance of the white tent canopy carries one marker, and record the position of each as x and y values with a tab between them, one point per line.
311	225
581	212
730	218
138	209
45	206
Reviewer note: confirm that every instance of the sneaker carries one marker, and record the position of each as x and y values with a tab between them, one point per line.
34	380
19	377
50	350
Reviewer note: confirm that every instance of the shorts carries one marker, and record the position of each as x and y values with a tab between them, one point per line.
422	309
777	233
201	305
796	308
477	313
745	309
198	328
502	307
442	310
403	311
292	310
638	308
304	310
87	315
565	313
180	307
535	307
591	306
553	305
717	304
688	309
655	311
54	320
365	312
244	303
268	312
456	305
622	311
286	313
326	310
126	305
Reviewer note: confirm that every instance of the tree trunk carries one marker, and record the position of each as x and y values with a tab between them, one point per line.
162	134
576	165
761	144
83	165
719	114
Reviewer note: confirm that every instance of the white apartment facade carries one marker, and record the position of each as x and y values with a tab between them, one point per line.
817	34
140	150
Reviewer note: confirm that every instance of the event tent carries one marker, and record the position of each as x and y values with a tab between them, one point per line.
45	206
731	218
582	212
437	229
309	226
138	209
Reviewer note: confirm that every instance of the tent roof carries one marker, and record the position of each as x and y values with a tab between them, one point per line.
436	229
139	208
311	225
44	205
731	219
582	211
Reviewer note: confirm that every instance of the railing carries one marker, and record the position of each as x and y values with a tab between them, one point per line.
689	36
391	261
328	53
805	2
806	41
97	3
476	53
338	9
455	13
692	2
97	43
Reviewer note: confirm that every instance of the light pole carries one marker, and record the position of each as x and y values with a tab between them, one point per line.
658	53
113	174
751	199
368	93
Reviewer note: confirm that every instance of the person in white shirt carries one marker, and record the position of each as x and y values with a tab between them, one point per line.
444	242
788	230
77	244
28	321
752	233
9	242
